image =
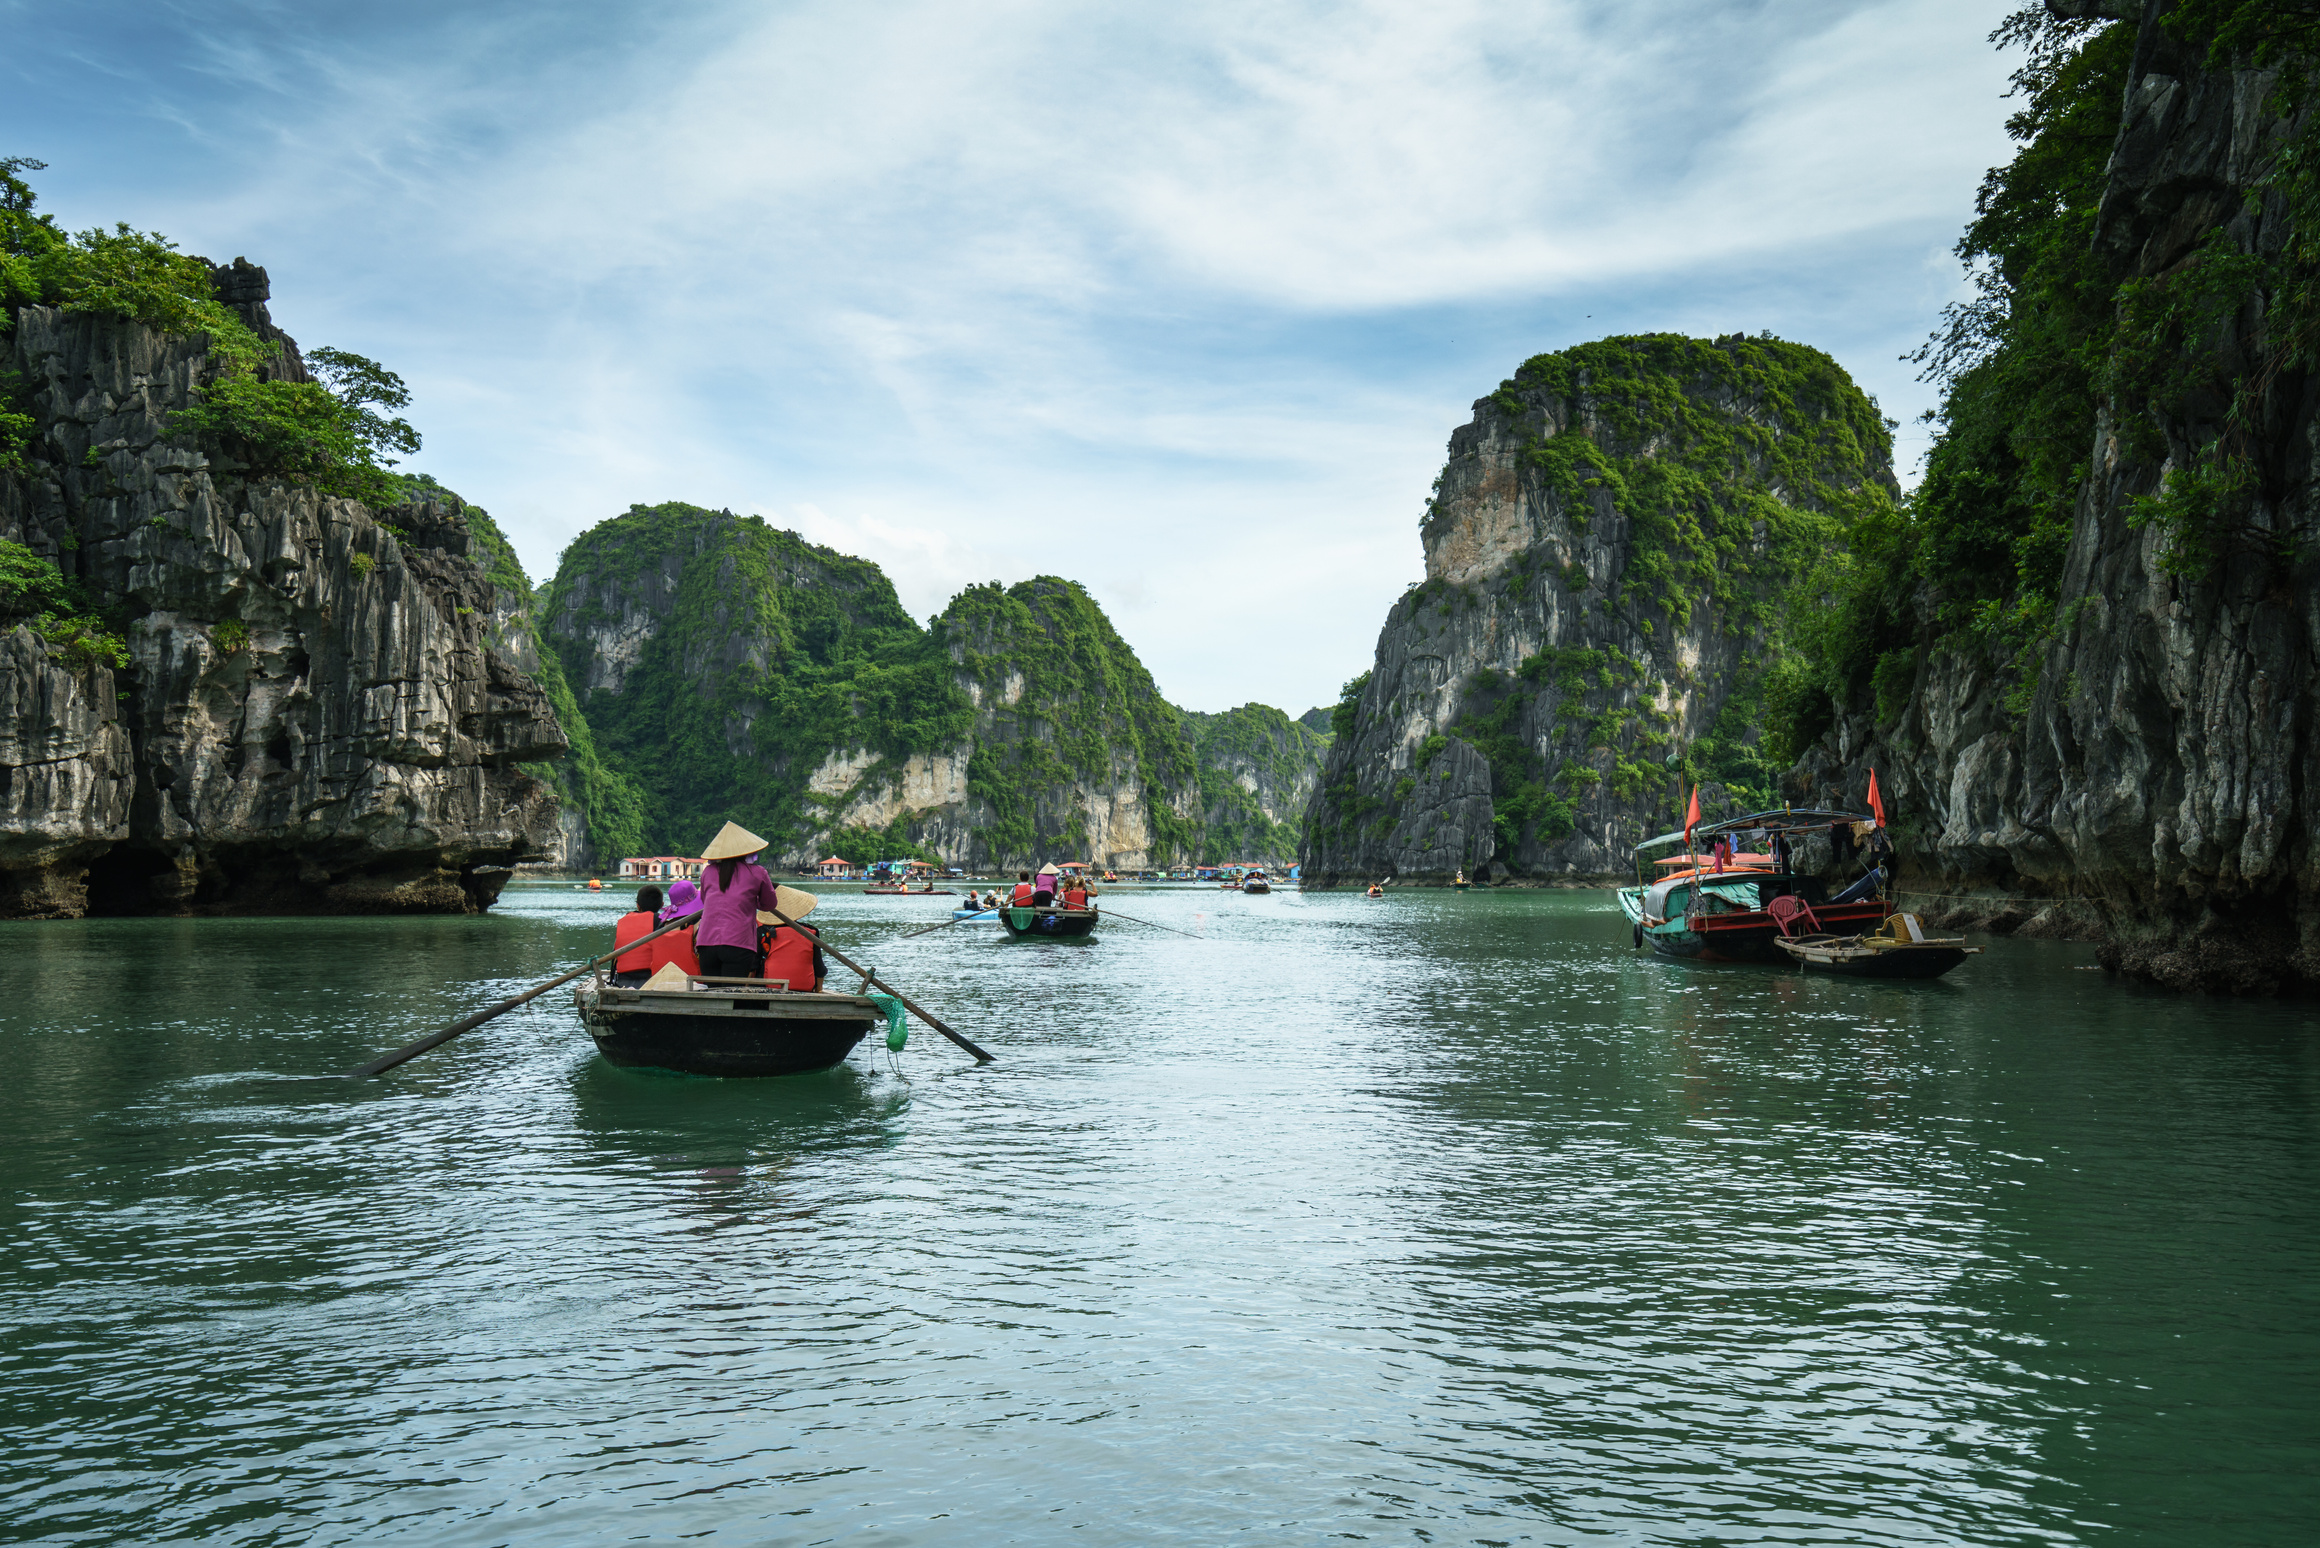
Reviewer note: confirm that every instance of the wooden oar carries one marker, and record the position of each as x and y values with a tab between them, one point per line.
1113	913
386	1062
945	925
908	1003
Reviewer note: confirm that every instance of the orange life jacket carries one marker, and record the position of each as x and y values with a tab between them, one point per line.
631	927
789	953
677	947
1022	894
1076	898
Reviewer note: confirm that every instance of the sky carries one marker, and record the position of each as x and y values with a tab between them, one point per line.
1180	301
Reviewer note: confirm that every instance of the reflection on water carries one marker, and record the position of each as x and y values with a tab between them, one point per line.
1446	1218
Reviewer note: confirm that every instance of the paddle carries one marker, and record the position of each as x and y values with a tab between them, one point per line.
386	1062
1113	913
930	929
908	1003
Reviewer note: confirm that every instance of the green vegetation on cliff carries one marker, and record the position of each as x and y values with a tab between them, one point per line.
2184	359
1974	556
1064	698
765	653
1688	439
1279	756
327	432
610	803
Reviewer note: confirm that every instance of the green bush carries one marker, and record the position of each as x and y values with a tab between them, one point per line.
122	273
1348	708
329	432
34	592
231	636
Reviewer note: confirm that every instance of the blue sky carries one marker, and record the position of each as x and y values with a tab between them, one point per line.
1180	301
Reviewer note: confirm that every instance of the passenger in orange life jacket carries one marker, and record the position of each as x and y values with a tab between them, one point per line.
794	951
1075	895
634	967
1022	897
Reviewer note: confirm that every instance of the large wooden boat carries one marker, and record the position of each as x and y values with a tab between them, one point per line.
1735	914
723	1026
1029	922
1901	950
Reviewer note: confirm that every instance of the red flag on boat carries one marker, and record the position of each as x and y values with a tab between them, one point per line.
1692	817
1876	802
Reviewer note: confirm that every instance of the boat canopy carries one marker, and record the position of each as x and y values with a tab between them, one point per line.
1785	820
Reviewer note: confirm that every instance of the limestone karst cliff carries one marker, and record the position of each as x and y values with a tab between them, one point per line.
2138	765
720	666
1610	551
1258	770
307	711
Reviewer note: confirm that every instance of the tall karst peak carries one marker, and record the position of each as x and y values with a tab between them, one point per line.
1611	551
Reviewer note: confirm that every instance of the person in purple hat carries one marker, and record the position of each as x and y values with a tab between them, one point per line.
684	898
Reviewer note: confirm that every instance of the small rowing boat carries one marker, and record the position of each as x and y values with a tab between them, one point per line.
723	1026
1901	950
1024	922
1255	882
907	892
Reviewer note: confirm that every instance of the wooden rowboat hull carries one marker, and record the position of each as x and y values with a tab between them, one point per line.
1910	961
766	1033
1041	923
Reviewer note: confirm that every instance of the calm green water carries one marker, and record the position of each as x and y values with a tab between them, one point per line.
1440	1220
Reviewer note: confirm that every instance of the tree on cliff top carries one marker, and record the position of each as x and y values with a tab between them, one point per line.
326	432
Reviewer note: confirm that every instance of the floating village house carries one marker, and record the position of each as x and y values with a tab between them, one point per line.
661	868
835	869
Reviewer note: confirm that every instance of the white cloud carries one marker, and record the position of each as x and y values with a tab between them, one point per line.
1181	301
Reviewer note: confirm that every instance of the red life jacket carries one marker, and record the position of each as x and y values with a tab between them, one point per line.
1076	898
1022	894
789	953
677	947
631	927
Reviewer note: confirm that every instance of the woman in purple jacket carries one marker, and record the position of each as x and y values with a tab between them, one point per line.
733	889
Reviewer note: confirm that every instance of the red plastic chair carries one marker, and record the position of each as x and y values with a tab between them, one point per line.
1787	909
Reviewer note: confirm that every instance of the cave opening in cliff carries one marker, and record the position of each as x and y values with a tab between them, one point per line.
122	881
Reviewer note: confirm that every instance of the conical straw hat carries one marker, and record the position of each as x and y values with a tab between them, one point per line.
669	977
732	842
790	901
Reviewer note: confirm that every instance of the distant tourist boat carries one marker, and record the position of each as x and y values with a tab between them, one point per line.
1901	950
1743	911
1255	882
908	892
1022	922
724	1026
1459	883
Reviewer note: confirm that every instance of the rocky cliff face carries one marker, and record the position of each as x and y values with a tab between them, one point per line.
1076	755
724	668
1258	772
1608	553
312	714
2155	792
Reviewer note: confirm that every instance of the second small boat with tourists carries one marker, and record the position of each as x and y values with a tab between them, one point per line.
1255	882
1029	921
